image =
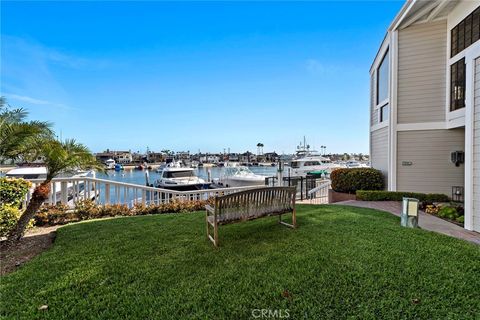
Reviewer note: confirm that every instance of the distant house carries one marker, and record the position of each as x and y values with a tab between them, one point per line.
271	156
425	102
119	156
233	157
104	156
182	155
124	157
138	157
248	157
155	157
210	158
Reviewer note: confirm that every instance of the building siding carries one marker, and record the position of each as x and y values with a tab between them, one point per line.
431	170
379	150
421	73
476	149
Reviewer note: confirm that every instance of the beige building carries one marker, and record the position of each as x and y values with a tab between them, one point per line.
425	102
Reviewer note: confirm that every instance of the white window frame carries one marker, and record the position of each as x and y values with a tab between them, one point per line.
456	118
374	72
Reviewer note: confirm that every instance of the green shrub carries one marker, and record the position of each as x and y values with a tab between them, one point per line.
370	195
9	215
461	219
13	191
351	180
448	212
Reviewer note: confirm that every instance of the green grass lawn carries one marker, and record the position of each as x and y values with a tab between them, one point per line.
341	262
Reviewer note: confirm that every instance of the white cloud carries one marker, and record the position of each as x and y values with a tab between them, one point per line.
30	72
35	101
27	99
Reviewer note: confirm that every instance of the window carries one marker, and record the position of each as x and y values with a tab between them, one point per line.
457	85
382	79
465	33
384	113
178	174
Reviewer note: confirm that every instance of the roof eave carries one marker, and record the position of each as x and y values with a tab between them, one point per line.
394	25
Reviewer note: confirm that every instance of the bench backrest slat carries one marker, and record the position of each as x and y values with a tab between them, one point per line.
254	203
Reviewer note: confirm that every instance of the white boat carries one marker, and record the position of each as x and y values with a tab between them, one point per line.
175	177
110	164
160	167
313	163
356	164
30	173
40	173
352	164
239	176
194	164
310	161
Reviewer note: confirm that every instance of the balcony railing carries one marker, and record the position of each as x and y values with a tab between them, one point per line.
69	191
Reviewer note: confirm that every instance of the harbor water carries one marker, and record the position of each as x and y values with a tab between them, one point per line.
138	176
134	176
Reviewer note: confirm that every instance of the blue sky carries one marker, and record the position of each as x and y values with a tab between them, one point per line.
195	75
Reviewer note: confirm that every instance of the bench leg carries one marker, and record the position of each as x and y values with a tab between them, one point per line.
294	218
206	222
294	221
214	239
215	234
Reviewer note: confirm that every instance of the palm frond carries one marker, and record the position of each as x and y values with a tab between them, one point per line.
18	138
68	155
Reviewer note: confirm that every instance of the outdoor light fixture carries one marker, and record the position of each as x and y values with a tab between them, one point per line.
458	157
409	216
457	193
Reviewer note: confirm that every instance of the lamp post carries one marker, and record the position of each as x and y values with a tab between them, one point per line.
324	149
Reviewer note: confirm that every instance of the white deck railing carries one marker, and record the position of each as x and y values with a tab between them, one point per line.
71	190
319	194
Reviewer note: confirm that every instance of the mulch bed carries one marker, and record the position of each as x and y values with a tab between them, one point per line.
29	246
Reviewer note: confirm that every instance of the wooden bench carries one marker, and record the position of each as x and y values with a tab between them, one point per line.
248	205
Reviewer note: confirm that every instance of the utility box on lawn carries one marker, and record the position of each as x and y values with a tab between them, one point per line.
409	216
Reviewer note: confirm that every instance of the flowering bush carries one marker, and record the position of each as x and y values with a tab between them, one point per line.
431	209
9	215
112	210
54	214
451	211
12	194
87	209
13	191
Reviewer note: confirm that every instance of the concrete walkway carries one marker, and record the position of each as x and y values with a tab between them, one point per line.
425	221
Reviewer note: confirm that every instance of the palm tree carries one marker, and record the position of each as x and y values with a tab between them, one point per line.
59	157
260	148
17	136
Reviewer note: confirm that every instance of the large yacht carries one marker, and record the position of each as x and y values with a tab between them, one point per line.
176	177
239	176
311	164
308	161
